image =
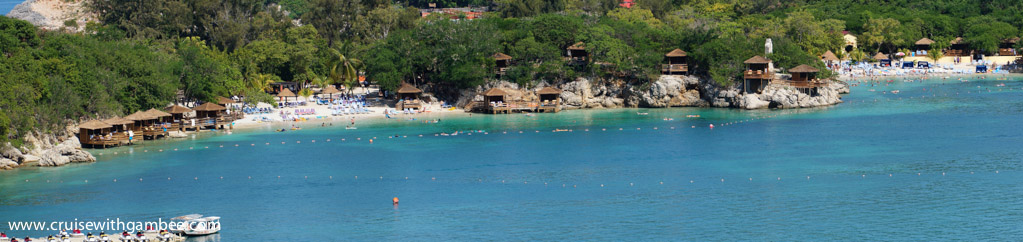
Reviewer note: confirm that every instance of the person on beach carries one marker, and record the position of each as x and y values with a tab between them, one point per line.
3	235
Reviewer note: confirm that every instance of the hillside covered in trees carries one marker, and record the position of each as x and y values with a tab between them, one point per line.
142	52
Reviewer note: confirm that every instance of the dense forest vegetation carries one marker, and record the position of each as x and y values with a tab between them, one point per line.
142	52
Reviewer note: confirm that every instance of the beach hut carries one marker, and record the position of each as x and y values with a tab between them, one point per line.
577	54
96	134
501	63
209	110
226	102
1008	47
830	59
676	62
122	129
958	47
160	116
177	112
550	100
924	44
285	93
804	79
758	74
209	115
409	97
883	59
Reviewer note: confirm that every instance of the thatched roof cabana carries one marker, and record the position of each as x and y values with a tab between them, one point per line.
924	41
880	56
205	107
757	60
286	93
157	113
208	110
676	53
548	90
502	57
577	46
802	68
494	95
94	125
224	100
408	92
830	56
118	121
139	116
177	110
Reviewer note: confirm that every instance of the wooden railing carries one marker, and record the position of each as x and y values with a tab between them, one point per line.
670	68
1006	52
758	74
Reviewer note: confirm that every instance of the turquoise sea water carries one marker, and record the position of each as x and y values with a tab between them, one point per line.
939	161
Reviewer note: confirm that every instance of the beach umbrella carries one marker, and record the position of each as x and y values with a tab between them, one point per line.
285	93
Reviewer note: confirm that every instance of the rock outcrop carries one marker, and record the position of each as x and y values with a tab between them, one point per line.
669	91
67	152
54	14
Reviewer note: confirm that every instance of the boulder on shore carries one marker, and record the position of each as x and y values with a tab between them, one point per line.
65	153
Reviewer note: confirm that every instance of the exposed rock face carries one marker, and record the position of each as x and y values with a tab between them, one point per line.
781	96
64	153
52	14
670	91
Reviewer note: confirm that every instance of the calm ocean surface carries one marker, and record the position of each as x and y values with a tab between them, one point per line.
7	5
939	161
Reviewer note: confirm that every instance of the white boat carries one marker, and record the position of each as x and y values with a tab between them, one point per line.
183	218
202	226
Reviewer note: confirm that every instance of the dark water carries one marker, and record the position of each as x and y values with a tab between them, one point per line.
939	161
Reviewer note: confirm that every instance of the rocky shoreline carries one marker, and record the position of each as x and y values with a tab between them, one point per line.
45	150
669	91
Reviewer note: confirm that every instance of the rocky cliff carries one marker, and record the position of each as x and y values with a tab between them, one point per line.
669	91
54	14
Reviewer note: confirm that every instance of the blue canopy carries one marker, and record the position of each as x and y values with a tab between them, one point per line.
981	69
923	64
907	64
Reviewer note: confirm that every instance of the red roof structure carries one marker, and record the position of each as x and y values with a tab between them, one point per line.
627	3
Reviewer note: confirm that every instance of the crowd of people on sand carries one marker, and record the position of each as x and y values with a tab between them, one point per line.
125	236
863	69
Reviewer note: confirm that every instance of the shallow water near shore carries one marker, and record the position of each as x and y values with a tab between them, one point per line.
941	160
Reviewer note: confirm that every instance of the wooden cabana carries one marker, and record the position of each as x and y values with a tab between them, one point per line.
758	74
209	115
883	59
958	47
161	116
501	63
577	53
924	44
1008	47
120	128
141	119
676	63
225	101
830	59
96	134
409	96
804	79
177	112
550	99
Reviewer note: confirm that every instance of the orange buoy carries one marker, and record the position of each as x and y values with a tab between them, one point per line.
395	200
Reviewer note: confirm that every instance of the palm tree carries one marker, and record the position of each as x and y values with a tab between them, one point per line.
344	70
262	82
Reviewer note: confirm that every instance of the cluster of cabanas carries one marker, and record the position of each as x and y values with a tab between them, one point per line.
149	124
